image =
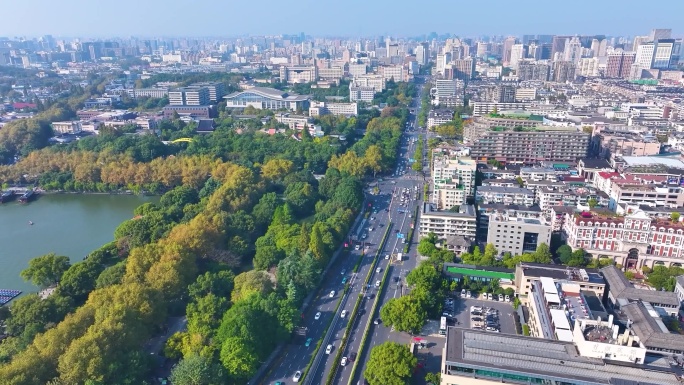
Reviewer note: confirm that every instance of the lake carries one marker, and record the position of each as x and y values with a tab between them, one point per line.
65	224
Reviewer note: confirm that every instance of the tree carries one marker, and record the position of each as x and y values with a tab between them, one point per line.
564	253
219	283
404	313
239	358
249	282
542	254
433	378
196	370
674	217
79	280
111	275
373	159
390	364
46	270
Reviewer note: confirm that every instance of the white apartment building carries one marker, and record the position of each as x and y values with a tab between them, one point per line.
445	88
298	74
325	108
364	94
588	67
438	117
446	224
505	195
332	73
517	235
59	128
453	179
357	69
369	80
525	94
396	72
190	96
157	93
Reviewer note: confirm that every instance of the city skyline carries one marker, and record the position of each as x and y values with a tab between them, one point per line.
202	18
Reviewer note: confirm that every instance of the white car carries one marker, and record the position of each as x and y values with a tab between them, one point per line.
297	376
508	298
318	315
344	313
357	247
379	269
387	256
332	294
328	349
377	283
344	361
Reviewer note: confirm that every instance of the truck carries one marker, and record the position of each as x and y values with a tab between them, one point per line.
399	257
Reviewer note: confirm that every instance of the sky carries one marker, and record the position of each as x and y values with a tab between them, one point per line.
331	18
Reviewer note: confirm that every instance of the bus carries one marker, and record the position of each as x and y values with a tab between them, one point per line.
442	326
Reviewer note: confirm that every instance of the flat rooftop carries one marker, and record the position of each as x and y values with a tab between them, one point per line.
548	358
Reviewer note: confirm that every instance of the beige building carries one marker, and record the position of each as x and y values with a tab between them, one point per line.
517	235
453	180
325	108
447	223
60	128
298	74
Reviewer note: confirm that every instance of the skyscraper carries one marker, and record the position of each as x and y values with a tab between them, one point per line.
517	53
573	50
558	45
619	63
658	34
507	46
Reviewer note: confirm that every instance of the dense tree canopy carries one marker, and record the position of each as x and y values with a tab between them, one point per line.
390	363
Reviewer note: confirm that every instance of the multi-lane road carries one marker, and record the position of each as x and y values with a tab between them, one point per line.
368	234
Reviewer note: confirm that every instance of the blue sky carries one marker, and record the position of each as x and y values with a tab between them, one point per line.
102	18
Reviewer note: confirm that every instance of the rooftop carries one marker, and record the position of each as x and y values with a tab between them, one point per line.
559	272
479	271
620	287
632	161
504	190
548	359
648	330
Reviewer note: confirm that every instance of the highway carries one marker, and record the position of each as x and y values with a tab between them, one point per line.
386	206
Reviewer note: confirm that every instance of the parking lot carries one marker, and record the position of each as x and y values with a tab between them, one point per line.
501	313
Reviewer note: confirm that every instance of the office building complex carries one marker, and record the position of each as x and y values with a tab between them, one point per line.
517	235
325	108
157	93
456	228
217	90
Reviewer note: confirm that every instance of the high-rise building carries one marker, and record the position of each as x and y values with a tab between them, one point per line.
658	34
423	53
454	180
598	47
662	56
482	49
530	71
507	46
573	50
563	71
619	63
463	69
517	53
644	55
639	40
588	67
504	93
558	45
189	96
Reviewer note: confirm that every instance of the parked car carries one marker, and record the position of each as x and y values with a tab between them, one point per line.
468	294
387	256
501	297
357	247
508	298
463	292
297	376
489	296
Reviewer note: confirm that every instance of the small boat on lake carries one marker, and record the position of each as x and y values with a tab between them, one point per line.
6	196
28	195
31	223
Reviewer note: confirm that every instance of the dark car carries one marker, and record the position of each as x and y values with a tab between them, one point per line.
352	356
476	319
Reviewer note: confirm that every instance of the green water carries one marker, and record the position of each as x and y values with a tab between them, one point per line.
66	224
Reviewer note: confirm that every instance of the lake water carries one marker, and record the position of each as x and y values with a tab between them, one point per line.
65	224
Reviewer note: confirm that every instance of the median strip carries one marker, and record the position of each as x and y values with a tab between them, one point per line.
370	319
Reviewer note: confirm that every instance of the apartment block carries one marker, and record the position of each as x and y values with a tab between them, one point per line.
377	82
295	122
447	224
298	74
525	94
517	235
532	71
504	195
157	93
484	108
71	127
486	211
556	144
439	117
364	94
325	108
217	90
357	69
398	73
332	73
189	96
453	179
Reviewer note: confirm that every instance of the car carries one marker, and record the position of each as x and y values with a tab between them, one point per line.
508	298
344	361
357	247
364	236
403	241
370	295
387	256
343	271
469	294
370	228
489	296
297	376
377	283
396	279
377	321
379	269
344	280
372	218
328	349
492	329
463	292
476	319
317	316
352	356
501	297
343	314
279	383
332	294
308	342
